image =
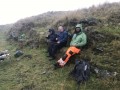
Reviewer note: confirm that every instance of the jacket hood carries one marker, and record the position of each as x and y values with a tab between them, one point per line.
79	26
52	31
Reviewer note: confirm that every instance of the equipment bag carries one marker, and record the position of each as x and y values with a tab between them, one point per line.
81	71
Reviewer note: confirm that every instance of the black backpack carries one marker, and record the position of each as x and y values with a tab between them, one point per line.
18	53
81	71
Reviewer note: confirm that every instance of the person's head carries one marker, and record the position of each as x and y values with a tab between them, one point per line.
51	31
60	29
78	28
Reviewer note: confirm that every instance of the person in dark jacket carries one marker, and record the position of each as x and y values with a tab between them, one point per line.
52	36
61	41
51	39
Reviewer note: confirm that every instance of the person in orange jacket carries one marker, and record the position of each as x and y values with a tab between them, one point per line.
79	39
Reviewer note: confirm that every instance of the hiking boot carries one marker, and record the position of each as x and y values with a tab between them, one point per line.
56	66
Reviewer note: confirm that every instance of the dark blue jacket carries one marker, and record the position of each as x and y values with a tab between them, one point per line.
52	37
62	36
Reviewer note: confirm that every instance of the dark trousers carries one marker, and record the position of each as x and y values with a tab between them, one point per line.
53	48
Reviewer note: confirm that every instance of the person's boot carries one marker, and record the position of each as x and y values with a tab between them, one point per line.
56	66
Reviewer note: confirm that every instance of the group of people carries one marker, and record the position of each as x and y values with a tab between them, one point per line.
58	40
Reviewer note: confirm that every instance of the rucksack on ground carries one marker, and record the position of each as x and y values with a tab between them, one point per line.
81	71
18	53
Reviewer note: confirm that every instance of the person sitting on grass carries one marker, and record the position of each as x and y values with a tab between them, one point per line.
51	38
61	41
79	39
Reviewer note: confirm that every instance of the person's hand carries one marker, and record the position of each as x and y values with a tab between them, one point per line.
56	38
58	42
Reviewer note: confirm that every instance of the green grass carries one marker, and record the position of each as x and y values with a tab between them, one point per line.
114	30
38	73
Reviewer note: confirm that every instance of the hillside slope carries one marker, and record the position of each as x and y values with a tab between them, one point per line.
37	73
107	14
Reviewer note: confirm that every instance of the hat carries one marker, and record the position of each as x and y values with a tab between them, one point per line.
51	30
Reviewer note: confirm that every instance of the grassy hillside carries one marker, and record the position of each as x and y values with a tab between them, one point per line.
38	73
108	14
